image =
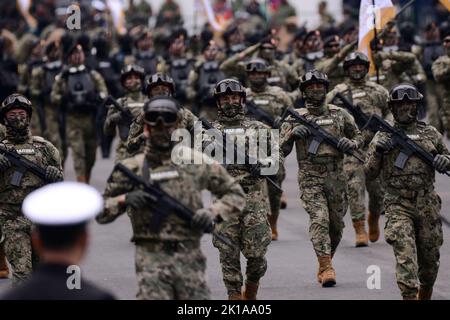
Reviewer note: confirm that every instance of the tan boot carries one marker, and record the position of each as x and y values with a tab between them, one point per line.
4	270
273	225
250	290
374	229
235	296
425	293
361	234
326	275
283	201
82	179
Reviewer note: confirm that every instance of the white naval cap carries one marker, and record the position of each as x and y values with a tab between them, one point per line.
62	203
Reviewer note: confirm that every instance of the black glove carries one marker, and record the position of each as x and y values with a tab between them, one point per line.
346	145
4	163
115	118
138	199
383	146
301	132
441	163
202	219
53	174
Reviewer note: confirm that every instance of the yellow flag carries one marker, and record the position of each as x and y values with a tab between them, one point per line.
445	3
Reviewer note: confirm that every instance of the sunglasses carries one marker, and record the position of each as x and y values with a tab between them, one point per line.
167	118
409	93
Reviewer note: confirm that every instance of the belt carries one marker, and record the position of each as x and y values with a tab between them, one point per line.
409	194
320	167
169	245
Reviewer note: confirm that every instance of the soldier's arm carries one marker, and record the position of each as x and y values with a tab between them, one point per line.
191	90
382	101
439	142
53	157
189	118
136	134
286	138
230	198
372	167
23	79
328	65
417	72
109	128
114	195
100	85
351	130
232	65
58	90
441	70
35	83
405	59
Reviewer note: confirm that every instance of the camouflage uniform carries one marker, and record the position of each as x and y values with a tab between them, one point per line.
169	263
80	125
41	83
321	177
441	73
274	101
413	226
250	230
397	67
133	102
136	139
372	99
15	227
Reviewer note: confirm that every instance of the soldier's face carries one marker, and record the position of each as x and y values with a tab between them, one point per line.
405	111
17	119
211	53
314	44
332	49
54	54
267	53
257	78
178	47
357	71
133	83
315	93
236	38
160	134
230	104
77	58
159	90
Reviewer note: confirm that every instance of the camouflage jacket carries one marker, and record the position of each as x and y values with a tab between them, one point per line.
441	72
272	100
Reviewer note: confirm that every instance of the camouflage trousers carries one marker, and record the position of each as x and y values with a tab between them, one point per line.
414	230
17	246
52	133
251	233
82	139
356	190
274	194
171	274
121	151
322	189
433	102
445	114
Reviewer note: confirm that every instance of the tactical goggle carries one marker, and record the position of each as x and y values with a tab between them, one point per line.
256	66
315	75
155	78
167	118
16	100
229	86
406	93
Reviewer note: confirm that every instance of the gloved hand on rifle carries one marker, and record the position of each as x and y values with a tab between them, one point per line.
4	163
53	174
138	199
345	145
202	219
441	163
115	118
301	132
383	146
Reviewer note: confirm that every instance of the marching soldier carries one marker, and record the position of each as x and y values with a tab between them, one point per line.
441	73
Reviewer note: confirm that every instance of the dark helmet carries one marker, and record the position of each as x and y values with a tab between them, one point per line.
131	69
404	91
355	58
227	86
258	65
159	78
331	41
313	76
15	101
161	108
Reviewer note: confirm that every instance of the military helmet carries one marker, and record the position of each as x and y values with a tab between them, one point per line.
161	108
313	76
131	69
258	65
227	86
404	91
355	58
15	101
157	79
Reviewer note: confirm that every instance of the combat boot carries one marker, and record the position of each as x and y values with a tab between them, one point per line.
425	293
374	229
234	296
250	290
361	234
326	275
4	270
273	225
82	179
283	201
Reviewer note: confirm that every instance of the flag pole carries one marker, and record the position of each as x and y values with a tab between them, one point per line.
377	70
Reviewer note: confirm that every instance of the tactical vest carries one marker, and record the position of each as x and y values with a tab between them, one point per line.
106	70
179	71
146	61
209	75
81	92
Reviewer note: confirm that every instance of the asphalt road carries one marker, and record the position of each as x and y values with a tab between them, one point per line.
292	264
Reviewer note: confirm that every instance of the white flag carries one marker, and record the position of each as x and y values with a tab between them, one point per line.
373	13
116	7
